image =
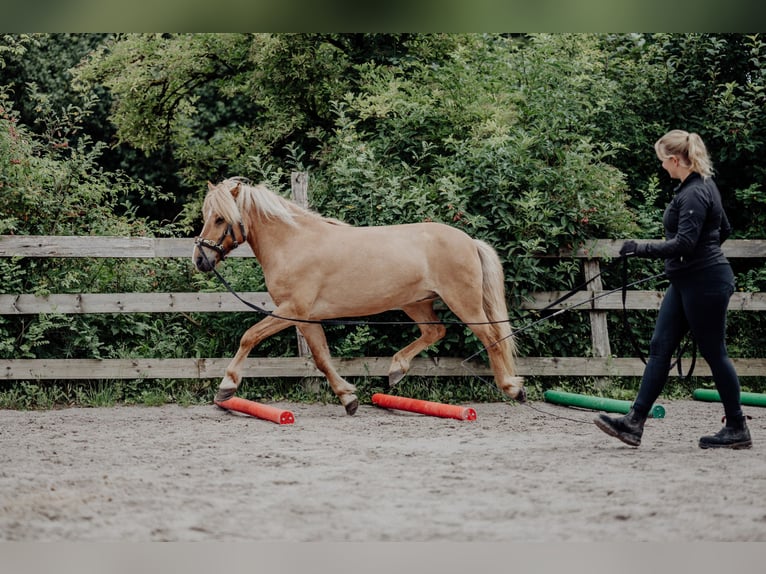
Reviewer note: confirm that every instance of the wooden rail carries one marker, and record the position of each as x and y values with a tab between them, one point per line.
596	302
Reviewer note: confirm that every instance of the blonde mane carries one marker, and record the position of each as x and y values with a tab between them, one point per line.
267	204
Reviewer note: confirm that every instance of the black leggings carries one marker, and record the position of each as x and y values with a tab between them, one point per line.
698	303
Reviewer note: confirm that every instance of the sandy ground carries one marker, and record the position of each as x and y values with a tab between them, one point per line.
187	474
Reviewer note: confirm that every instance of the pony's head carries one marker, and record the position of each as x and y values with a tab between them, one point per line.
223	229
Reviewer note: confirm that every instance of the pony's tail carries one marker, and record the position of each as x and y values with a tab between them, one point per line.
493	301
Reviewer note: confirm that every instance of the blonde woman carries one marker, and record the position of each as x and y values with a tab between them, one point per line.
701	283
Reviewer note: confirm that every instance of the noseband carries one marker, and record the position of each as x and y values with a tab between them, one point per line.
218	246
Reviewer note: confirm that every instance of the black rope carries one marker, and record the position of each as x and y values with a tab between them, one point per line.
626	326
463	363
353	322
631	336
564	309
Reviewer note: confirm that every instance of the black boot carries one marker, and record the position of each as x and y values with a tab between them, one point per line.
628	428
734	435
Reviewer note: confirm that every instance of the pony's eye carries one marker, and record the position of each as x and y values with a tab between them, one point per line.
219	220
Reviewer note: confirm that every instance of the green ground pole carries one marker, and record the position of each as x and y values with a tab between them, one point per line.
597	403
752	399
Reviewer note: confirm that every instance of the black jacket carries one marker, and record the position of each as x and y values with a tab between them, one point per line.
695	227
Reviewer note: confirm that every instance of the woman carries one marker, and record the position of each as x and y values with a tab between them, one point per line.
701	283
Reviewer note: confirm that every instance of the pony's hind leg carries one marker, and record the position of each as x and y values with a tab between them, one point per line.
320	351
481	305
498	342
431	331
254	335
499	347
500	350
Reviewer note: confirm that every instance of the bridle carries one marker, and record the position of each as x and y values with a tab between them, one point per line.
218	246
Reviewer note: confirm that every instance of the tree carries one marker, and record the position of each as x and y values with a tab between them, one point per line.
489	133
38	82
712	84
534	143
215	101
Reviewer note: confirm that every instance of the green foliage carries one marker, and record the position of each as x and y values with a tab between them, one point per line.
37	76
470	142
713	84
533	143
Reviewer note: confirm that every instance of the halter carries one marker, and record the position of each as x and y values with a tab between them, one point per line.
218	246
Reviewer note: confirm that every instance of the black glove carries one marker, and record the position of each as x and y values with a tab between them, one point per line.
629	248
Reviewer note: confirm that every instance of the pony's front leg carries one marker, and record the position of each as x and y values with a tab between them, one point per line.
320	351
254	335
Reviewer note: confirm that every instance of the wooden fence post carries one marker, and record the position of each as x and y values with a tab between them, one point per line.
598	325
299	185
599	331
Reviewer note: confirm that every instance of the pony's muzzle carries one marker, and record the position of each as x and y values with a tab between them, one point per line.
204	262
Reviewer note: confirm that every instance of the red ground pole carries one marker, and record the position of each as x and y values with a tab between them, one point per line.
258	410
424	407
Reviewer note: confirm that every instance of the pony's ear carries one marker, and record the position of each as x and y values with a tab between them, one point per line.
210	186
235	191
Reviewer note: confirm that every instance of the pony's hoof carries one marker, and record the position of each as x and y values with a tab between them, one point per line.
224	395
352	406
394	377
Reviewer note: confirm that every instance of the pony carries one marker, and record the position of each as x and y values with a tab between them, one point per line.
355	271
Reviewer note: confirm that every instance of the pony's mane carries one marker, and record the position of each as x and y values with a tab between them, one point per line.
267	204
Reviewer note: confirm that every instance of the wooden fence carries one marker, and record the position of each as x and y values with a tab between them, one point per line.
593	301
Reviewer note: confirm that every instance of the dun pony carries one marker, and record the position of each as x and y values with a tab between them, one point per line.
350	271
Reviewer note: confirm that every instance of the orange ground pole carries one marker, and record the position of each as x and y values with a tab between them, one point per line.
258	410
424	407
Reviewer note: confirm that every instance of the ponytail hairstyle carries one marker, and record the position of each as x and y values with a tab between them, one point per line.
688	148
